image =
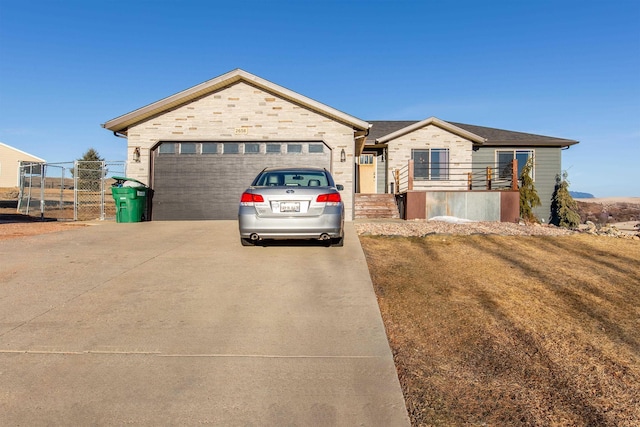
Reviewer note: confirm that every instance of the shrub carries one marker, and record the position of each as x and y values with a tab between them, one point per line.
564	210
529	198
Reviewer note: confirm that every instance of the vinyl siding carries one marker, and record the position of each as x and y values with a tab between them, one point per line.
381	172
547	167
10	159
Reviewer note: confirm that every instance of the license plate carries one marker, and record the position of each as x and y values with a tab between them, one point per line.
289	206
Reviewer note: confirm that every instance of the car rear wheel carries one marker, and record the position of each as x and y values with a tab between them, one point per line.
246	242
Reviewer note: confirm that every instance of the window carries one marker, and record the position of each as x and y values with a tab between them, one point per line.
366	159
316	148
231	148
505	157
188	148
292	178
273	148
294	148
209	148
251	148
430	164
439	163
167	148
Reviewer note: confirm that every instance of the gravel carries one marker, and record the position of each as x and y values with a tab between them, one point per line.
423	228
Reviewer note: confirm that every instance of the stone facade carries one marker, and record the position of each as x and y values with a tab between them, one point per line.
242	112
432	136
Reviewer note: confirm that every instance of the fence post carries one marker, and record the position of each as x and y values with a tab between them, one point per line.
103	174
42	187
514	174
469	181
410	177
75	190
488	177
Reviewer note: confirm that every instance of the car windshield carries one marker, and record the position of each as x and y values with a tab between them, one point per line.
292	178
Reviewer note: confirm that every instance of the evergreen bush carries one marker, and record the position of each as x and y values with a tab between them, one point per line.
564	210
529	198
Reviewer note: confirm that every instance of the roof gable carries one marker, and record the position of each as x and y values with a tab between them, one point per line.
122	123
427	122
491	136
23	155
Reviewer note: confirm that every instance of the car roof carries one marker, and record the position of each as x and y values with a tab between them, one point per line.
304	168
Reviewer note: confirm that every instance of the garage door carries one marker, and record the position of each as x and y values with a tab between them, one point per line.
204	180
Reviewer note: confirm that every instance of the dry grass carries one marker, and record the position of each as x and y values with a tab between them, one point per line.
496	330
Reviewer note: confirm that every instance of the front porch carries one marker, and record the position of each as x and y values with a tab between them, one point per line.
464	191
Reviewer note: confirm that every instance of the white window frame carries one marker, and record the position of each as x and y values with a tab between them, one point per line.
252	144
531	153
209	144
366	158
226	145
273	144
443	176
167	145
195	148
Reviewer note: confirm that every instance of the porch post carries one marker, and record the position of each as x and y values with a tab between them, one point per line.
514	174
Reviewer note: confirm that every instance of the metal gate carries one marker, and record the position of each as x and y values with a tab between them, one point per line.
79	190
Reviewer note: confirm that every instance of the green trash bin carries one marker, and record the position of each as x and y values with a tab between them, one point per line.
131	200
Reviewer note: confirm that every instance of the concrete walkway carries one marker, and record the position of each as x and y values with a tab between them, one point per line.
175	323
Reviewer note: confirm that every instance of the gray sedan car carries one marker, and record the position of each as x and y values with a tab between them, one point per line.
292	203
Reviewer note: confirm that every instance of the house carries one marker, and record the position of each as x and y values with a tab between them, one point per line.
451	157
10	158
200	148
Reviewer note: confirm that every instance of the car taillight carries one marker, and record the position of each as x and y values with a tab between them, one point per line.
248	199
333	198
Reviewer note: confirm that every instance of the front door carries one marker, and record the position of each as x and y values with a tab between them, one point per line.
367	173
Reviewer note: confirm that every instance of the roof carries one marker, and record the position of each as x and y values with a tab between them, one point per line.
430	121
507	137
122	123
381	131
29	157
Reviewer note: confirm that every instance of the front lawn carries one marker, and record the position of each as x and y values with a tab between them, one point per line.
498	330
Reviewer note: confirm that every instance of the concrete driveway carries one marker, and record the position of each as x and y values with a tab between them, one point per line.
175	323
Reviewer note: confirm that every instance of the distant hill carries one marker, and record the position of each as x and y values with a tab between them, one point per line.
580	195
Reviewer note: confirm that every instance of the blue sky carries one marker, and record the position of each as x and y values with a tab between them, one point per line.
561	68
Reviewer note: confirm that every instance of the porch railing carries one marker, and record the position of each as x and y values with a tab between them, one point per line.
458	177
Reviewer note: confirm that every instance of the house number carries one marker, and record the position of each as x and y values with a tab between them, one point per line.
242	131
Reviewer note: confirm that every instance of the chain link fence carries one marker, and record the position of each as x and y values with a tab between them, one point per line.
77	191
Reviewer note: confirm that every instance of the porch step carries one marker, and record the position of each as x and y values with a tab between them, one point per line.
376	206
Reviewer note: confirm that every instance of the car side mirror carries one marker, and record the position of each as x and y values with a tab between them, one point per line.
340	187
